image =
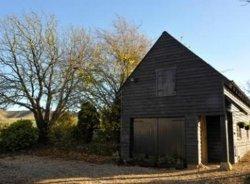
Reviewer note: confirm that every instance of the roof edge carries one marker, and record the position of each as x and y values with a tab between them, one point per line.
235	89
119	91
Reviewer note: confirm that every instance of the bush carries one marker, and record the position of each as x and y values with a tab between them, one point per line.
247	180
88	121
61	133
162	161
19	135
3	125
144	160
167	161
241	124
100	136
99	149
110	122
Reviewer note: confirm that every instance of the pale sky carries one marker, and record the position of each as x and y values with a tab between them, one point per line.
216	30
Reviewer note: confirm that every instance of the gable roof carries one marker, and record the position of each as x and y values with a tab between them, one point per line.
231	85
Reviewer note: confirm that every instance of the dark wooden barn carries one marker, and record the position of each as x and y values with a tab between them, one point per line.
174	103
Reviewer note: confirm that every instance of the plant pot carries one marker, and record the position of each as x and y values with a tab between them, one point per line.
241	124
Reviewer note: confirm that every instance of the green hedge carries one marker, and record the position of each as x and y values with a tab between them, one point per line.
19	135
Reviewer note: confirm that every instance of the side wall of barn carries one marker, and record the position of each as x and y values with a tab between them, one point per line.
241	137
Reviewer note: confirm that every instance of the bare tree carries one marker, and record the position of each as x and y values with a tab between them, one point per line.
118	52
39	67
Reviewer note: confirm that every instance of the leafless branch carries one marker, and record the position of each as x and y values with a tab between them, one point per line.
39	66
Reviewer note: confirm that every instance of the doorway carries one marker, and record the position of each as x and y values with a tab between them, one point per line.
211	147
213	139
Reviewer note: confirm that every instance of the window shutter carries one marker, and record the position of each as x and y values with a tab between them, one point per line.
160	83
165	82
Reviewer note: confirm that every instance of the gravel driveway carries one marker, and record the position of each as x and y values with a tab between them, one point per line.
33	169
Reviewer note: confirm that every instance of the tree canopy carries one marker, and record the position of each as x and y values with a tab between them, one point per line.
49	71
120	49
39	66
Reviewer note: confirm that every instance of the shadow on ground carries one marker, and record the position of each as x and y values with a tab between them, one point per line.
33	169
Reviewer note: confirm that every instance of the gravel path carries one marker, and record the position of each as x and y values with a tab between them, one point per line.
32	169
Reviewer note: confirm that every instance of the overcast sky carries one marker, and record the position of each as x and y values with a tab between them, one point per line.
217	30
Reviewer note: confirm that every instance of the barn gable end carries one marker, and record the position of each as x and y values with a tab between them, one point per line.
194	93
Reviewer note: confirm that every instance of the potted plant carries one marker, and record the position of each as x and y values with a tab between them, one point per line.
137	159
241	124
149	161
166	162
247	126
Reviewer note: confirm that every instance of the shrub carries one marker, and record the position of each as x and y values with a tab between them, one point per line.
3	125
19	135
99	149
144	160
247	180
110	122
161	161
167	161
247	127
99	136
241	124
88	121
61	133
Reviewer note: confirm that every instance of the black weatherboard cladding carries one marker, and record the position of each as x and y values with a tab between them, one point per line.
198	86
198	89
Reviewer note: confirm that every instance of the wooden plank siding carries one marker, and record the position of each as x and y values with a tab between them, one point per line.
241	113
199	90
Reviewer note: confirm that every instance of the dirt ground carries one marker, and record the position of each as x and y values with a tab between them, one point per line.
34	169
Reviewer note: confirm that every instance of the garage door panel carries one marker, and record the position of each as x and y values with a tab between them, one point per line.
163	136
171	136
145	136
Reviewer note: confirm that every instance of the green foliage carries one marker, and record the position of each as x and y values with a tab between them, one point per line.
163	161
3	125
243	124
96	148
144	160
167	161
247	126
110	121
62	132
88	121
100	136
247	180
19	135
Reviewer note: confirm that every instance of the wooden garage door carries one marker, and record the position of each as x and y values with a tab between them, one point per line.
159	136
145	136
171	136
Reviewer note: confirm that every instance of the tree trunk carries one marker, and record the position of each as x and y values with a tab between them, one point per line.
43	130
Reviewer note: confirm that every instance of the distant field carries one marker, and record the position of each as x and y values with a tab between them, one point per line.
15	114
8	117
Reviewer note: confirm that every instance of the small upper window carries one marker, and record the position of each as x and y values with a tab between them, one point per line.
165	82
